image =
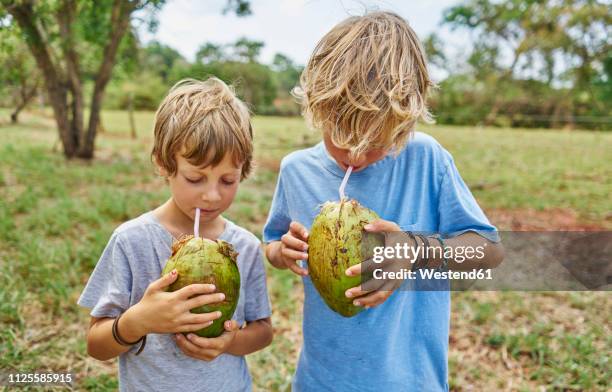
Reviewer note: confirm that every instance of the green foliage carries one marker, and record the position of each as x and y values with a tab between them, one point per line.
19	76
533	63
265	88
145	89
240	7
246	50
210	53
158	59
253	82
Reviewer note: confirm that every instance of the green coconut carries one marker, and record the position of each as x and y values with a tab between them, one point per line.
200	260
334	245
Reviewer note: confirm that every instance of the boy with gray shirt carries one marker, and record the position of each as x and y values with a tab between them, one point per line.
203	147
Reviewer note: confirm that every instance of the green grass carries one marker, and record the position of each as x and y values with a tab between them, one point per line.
540	169
56	216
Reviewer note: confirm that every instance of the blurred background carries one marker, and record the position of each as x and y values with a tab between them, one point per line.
523	103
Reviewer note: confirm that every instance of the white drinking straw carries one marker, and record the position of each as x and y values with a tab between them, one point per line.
344	181
196	224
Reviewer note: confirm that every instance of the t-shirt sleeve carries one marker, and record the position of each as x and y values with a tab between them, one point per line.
257	303
278	217
458	210
108	290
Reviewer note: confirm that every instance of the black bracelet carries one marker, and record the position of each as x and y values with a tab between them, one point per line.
118	339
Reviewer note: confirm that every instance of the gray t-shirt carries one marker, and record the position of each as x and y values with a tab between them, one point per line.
133	258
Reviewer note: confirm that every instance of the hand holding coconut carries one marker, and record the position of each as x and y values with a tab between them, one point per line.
378	290
162	312
208	349
294	247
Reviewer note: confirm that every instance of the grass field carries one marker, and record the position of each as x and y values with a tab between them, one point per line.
56	216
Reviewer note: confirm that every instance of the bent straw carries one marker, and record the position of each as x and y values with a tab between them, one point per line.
344	181
196	224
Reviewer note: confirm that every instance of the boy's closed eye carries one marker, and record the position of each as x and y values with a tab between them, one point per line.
197	180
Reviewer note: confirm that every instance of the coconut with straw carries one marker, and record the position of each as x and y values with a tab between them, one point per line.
335	244
200	260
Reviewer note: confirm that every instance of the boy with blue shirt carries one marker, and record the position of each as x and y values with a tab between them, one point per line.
364	87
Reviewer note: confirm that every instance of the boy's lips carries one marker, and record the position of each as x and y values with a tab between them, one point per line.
208	210
345	166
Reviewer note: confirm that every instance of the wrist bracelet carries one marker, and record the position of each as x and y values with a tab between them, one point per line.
444	265
119	339
425	259
416	244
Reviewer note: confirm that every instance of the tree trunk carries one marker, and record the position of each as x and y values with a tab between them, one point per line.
557	121
25	98
120	20
101	128
131	115
65	18
492	115
23	13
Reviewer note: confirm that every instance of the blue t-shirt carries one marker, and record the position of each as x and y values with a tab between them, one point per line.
402	344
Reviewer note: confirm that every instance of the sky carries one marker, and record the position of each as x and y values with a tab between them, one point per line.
291	27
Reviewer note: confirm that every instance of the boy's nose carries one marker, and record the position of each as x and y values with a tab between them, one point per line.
211	195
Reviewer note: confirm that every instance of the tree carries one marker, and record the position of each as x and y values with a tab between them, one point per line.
254	82
159	58
559	44
210	53
246	50
54	32
64	36
435	51
288	73
19	78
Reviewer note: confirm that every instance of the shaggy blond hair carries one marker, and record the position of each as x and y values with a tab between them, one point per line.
366	83
202	121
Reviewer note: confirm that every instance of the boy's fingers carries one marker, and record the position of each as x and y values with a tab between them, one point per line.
354	270
230	325
195	289
358	291
376	297
297	269
205	343
365	266
164	281
293	254
186	345
194	327
200	318
379	225
203	299
298	230
294	243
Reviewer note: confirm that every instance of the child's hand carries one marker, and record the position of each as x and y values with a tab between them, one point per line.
380	289
207	349
162	312
294	248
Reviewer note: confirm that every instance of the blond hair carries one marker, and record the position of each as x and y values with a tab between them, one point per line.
366	83
202	121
